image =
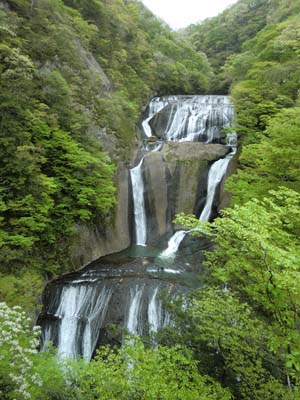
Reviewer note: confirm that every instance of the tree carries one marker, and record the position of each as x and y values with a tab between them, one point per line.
136	373
17	346
258	255
272	162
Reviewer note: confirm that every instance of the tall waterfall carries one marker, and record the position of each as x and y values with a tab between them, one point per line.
139	204
190	118
125	289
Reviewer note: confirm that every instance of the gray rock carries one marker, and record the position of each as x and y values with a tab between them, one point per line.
176	181
91	243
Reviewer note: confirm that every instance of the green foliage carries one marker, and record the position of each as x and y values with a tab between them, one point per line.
21	289
222	36
71	72
251	331
17	347
263	68
134	372
48	177
257	256
272	162
233	346
25	373
269	73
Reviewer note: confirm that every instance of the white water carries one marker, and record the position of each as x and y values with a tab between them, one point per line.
77	302
215	176
157	317
94	322
155	312
198	118
134	309
139	204
82	308
155	106
231	139
46	336
173	244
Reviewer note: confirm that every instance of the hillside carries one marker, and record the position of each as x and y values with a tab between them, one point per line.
253	47
75	76
224	36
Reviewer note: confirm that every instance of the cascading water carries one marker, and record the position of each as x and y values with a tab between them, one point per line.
154	107
154	316
79	311
139	204
173	244
155	312
192	118
215	176
158	317
125	289
134	309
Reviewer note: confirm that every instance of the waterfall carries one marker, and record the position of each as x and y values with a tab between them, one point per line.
47	336
158	317
198	118
80	312
139	204
173	244
154	315
98	311
231	139
155	312
215	176
124	289
155	106
134	309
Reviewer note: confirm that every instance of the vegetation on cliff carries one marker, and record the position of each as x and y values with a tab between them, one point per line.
74	78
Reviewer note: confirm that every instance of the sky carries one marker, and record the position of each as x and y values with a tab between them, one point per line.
181	13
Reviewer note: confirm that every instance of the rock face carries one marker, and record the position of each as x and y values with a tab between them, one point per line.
90	244
176	182
157	178
188	164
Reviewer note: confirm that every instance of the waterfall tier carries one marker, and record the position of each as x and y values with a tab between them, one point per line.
189	118
139	205
79	310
